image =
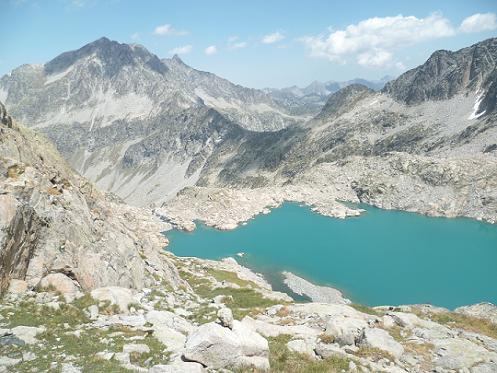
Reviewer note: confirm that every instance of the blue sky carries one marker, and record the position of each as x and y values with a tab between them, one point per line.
254	43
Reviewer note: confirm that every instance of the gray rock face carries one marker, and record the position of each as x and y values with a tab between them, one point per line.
345	330
225	317
54	221
115	295
178	367
446	74
345	98
60	282
379	338
316	293
5	119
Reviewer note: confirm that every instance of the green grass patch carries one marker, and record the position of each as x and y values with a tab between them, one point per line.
373	353
58	340
471	324
282	360
221	275
365	309
242	301
31	314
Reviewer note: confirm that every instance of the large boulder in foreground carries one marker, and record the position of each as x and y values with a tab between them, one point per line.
60	282
485	310
122	297
219	347
345	330
178	367
379	338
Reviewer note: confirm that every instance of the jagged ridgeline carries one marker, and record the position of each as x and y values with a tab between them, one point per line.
145	128
136	125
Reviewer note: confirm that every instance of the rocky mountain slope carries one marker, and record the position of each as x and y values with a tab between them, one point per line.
135	125
427	142
437	156
53	221
311	99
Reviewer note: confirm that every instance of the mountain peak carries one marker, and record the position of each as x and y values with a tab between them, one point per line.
446	74
177	59
345	97
103	41
112	54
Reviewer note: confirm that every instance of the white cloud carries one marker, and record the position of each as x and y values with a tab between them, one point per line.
234	44
272	38
374	58
239	45
168	30
479	22
78	3
184	49
371	42
210	50
135	36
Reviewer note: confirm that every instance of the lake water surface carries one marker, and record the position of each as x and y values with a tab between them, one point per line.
382	257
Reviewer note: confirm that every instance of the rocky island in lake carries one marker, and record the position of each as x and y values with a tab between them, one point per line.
133	189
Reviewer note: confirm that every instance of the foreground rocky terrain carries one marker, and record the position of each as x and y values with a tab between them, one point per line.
226	318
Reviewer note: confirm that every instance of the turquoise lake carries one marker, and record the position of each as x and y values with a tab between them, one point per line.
381	257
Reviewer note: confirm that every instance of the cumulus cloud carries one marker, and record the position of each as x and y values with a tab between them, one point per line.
233	43
168	30
372	41
479	22
210	50
184	49
272	38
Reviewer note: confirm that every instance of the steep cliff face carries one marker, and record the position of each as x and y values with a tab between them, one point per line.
53	220
446	74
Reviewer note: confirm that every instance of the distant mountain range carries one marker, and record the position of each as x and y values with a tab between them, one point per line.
310	99
131	121
145	128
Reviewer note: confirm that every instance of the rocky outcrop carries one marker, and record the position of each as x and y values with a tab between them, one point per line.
347	97
55	222
115	295
220	347
447	73
486	311
316	293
